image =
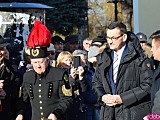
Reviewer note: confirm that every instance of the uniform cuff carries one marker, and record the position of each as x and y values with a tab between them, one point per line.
58	113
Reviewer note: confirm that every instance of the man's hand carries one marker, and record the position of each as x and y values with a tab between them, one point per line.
52	117
19	117
111	100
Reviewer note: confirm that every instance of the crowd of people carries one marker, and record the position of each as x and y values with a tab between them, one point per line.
112	77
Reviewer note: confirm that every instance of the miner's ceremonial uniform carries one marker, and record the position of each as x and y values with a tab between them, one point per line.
46	88
45	93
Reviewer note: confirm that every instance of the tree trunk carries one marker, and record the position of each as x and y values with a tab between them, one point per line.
127	12
82	34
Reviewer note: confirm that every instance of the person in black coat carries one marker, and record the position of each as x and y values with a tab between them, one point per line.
8	73
77	111
127	97
155	91
44	85
58	43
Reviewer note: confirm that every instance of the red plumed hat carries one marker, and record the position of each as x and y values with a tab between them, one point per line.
39	39
39	36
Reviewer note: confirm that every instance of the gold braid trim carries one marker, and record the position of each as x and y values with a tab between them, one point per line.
67	92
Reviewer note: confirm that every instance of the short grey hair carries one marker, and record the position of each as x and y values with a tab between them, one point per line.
78	52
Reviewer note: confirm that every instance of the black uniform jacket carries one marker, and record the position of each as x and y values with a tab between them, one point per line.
45	93
133	84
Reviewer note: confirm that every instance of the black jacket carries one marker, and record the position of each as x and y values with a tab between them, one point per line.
133	84
155	91
8	73
45	93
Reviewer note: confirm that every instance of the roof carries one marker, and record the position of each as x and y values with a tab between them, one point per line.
24	5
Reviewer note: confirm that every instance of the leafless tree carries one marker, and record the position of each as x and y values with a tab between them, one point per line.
127	13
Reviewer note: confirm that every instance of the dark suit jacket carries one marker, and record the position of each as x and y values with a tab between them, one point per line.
155	91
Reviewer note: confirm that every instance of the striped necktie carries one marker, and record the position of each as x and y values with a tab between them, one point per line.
115	67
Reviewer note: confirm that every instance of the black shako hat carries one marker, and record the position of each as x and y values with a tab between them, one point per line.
38	40
38	52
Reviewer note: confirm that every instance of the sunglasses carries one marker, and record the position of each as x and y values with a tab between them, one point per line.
51	53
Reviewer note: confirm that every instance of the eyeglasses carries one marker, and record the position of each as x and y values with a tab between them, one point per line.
113	38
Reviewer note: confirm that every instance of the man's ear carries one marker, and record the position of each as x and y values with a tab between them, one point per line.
124	37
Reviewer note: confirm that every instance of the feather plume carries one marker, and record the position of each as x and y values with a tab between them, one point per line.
39	36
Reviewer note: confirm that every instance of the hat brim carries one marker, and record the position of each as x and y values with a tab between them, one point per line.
58	41
142	40
39	52
92	59
4	45
72	41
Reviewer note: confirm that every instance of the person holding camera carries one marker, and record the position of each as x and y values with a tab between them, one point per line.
75	70
74	66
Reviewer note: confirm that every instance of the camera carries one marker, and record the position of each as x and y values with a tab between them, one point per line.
76	61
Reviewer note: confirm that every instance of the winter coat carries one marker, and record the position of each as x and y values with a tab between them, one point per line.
8	73
133	84
46	93
155	91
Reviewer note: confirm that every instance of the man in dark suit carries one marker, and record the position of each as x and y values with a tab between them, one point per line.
155	91
44	85
123	77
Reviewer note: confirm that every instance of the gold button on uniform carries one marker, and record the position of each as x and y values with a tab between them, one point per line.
40	102
41	113
39	90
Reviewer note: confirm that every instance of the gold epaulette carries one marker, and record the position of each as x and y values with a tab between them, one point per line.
67	92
